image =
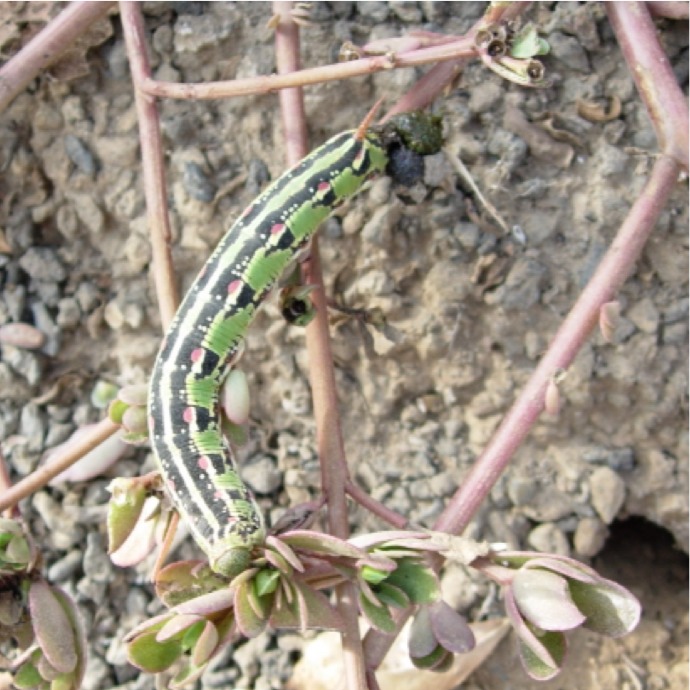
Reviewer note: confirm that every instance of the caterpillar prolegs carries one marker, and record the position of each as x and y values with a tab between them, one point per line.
204	337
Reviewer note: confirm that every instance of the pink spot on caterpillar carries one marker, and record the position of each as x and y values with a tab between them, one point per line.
203	462
217	495
323	186
247	211
235	285
171	485
152	423
197	354
277	228
189	415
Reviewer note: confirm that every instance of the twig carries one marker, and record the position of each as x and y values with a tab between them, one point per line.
152	164
364	499
47	46
40	477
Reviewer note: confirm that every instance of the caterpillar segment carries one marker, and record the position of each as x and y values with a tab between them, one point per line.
204	338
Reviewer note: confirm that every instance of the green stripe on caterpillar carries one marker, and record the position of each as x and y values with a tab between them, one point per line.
198	351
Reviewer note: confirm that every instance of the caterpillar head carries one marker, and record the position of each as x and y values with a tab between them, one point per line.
231	561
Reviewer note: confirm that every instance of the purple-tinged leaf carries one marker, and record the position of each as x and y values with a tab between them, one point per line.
317	542
52	627
285	551
177	626
544	599
248	622
379	617
135	420
70	609
610	609
555	643
47	671
450	628
308	609
136	395
375	539
142	539
422	640
570	568
278	562
525	632
65	681
366	591
151	625
124	509
94	463
206	644
185	580
243	577
207	604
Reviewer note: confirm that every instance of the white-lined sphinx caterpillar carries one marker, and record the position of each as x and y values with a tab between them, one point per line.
203	340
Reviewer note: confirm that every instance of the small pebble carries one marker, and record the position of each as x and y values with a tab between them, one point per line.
22	335
590	537
608	493
96	563
42	264
548	538
64	568
69	314
197	183
79	153
262	475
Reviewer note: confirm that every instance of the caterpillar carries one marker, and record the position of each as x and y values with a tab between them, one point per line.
207	331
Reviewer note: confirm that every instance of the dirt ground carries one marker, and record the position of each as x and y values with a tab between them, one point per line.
606	481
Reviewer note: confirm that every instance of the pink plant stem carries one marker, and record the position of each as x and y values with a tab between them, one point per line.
669	10
463	47
152	163
40	477
328	428
654	78
47	46
614	268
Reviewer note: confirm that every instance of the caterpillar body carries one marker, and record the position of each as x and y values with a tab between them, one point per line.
198	350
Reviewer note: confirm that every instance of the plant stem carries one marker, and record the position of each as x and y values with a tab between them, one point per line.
40	477
47	46
334	473
654	78
152	163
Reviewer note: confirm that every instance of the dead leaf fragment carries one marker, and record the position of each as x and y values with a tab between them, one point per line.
595	112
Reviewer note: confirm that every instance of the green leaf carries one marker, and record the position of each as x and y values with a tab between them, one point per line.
124	509
527	44
52	627
555	644
610	609
433	660
117	410
266	581
391	596
373	575
417	580
249	623
18	550
379	617
65	681
27	677
152	656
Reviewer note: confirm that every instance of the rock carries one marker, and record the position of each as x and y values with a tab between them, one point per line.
488	97
69	314
549	538
32	426
644	315
96	563
590	537
80	154
88	212
407	11
43	264
375	12
64	568
608	493
522	286
568	50
197	183
261	475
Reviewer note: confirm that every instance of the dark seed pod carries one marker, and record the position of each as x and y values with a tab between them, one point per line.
406	167
418	131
